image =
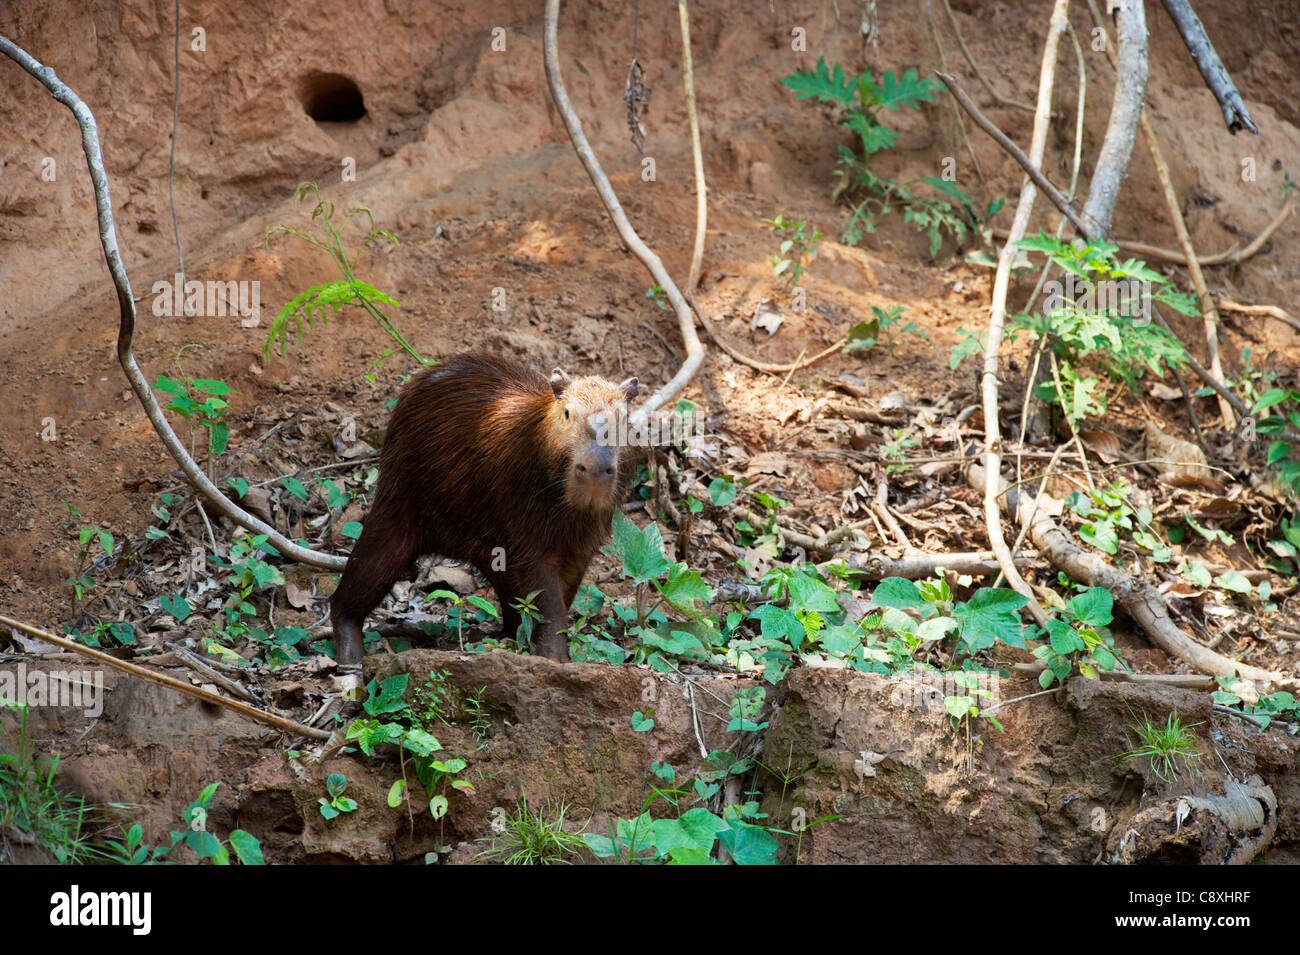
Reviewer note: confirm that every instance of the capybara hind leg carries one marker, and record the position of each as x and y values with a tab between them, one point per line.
380	556
504	585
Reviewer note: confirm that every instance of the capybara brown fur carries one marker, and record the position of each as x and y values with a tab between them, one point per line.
486	461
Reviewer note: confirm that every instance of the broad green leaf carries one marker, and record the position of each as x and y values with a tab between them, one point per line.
1234	581
642	552
902	594
1268	399
295	487
246	847
935	628
991	615
809	593
1197	573
748	845
1094	606
685	586
778	623
176	606
1062	637
722	492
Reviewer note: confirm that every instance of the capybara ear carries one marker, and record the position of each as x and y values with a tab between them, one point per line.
628	388
559	381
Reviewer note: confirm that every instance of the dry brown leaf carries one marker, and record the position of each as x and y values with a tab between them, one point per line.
299	596
1162	392
1104	444
1174	456
769	462
1180	588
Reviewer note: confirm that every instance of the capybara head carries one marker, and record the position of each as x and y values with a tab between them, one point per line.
585	424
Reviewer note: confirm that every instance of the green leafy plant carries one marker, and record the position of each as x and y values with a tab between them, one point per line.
1281	706
1282	420
321	301
333	804
894	452
1285	549
798	246
1100	318
202	403
689	836
87	536
196	837
245	574
432	699
529	616
133	850
1168	749
1106	511
970	345
860	100
459	608
657	295
865	335
674	586
533	838
480	717
389	714
1081	639
106	632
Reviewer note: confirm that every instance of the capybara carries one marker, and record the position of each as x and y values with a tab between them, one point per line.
486	461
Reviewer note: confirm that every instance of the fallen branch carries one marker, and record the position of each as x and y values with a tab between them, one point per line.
1258	722
1219	387
685	321
1036	416
819	545
1231	256
882	511
918	566
867	414
998	306
1216	77
1142	602
126	330
161	679
195	662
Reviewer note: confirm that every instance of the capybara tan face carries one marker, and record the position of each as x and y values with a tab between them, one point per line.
587	416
